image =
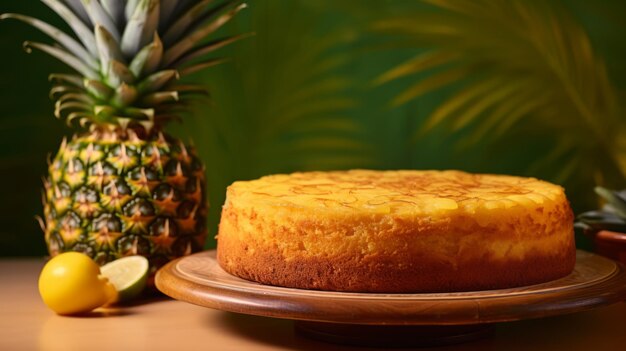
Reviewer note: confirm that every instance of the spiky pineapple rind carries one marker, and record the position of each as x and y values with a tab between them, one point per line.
153	203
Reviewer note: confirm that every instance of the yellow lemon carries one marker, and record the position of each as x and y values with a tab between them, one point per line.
71	283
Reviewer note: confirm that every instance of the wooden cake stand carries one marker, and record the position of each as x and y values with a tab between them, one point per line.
394	320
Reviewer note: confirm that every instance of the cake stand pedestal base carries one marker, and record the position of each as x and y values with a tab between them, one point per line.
393	335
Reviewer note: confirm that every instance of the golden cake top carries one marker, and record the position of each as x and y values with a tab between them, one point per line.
394	191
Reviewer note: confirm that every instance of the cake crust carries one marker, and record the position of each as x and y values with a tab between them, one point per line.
384	275
434	232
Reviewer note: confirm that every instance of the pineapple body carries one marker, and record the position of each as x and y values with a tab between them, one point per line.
120	186
110	197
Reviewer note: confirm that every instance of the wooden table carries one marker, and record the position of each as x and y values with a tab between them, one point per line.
164	324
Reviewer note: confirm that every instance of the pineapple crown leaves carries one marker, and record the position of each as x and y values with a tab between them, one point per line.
612	216
129	56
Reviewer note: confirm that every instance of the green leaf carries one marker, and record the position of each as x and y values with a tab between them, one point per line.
616	202
141	27
183	89
296	114
78	8
129	10
65	40
462	98
125	95
60	90
567	170
73	79
98	89
185	21
480	104
491	120
64	56
115	9
200	66
98	15
417	64
326	87
431	83
148	59
118	73
522	111
108	48
160	97
336	124
156	81
83	118
208	48
187	43
83	33
167	12
79	97
601	220
553	156
62	107
328	143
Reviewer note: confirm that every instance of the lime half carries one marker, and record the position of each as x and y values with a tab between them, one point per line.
128	275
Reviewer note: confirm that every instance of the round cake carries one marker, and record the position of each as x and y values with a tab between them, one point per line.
396	231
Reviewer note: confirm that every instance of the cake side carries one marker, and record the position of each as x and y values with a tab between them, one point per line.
477	245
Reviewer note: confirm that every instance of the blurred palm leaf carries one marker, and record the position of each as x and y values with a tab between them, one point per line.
281	104
282	101
520	69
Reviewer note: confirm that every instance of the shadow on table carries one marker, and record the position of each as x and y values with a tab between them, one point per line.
280	334
122	308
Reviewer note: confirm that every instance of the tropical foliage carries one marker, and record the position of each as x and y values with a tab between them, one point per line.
518	71
281	104
611	217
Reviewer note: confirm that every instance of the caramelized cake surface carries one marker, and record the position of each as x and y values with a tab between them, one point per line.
396	231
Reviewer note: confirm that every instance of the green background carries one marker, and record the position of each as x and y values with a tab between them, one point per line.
296	96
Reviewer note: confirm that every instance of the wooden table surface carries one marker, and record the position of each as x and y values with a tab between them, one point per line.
165	324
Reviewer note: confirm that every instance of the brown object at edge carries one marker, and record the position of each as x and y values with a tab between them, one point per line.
610	244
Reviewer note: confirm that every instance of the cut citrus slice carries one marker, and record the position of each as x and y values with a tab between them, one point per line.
128	275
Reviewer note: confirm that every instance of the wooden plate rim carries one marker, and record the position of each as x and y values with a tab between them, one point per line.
395	309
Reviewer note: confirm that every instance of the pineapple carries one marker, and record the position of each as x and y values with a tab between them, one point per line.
606	226
122	186
611	217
